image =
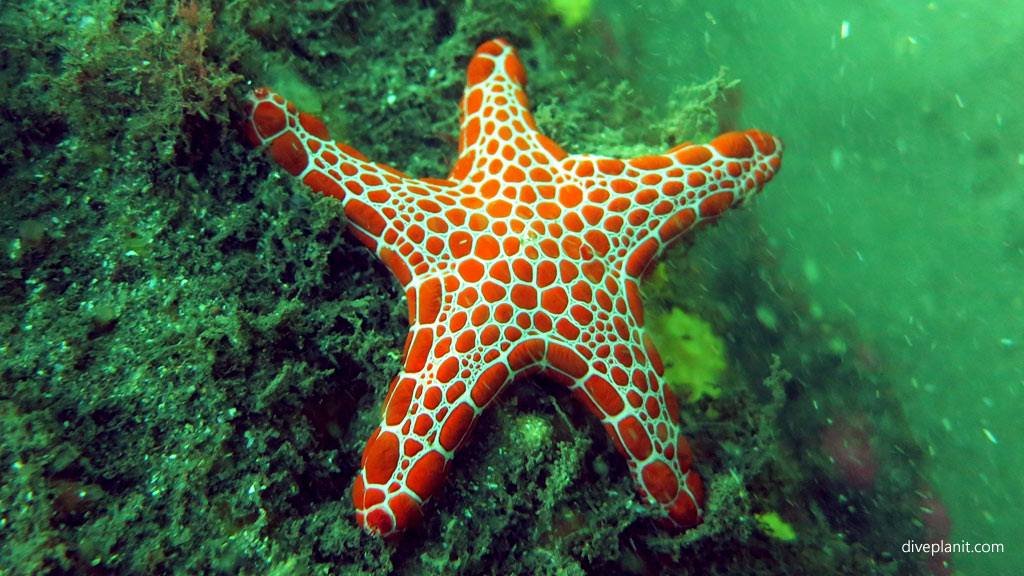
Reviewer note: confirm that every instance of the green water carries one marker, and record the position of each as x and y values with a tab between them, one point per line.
902	205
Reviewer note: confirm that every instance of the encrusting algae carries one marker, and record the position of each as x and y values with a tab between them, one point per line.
694	356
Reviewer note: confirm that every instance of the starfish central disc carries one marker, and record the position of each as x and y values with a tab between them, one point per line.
525	259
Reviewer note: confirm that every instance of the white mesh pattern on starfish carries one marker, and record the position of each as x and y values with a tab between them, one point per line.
524	260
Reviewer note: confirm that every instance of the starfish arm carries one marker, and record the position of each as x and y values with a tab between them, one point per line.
455	365
594	343
620	381
640	415
498	137
389	212
428	414
649	201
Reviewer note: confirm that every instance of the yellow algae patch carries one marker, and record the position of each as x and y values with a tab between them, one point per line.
572	12
774	526
694	356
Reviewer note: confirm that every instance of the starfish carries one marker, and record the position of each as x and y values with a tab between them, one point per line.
524	260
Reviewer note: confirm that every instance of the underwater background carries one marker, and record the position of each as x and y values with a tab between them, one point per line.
194	351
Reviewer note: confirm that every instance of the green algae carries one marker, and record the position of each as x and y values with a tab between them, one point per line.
693	355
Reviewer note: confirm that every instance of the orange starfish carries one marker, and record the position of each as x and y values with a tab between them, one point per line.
525	259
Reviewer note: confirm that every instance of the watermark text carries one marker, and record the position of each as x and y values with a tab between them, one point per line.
943	547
